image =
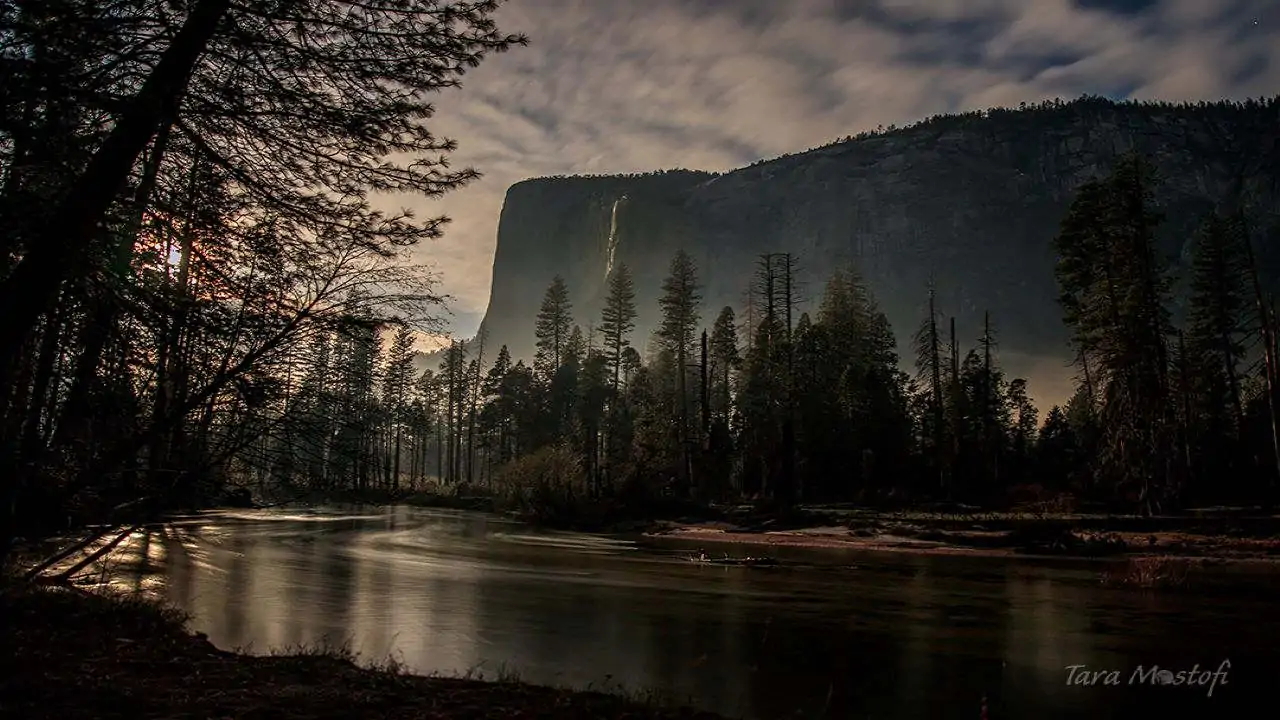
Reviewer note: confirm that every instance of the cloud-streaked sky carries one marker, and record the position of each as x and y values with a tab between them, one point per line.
611	86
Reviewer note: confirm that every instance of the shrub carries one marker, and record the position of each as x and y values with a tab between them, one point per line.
1148	573
1035	499
546	485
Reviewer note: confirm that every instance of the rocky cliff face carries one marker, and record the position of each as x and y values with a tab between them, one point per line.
972	201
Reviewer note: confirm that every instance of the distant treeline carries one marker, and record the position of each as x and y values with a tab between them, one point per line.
1084	105
632	176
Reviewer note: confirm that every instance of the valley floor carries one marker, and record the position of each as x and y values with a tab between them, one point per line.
74	655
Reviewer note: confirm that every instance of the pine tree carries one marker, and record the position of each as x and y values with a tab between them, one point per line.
553	328
594	392
1057	451
724	361
839	349
396	385
930	374
676	334
1217	323
528	418
426	390
1024	424
562	394
887	420
617	320
475	388
1114	294
453	376
575	350
496	413
356	358
988	402
818	419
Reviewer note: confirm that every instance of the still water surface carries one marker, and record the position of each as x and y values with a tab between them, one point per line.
832	634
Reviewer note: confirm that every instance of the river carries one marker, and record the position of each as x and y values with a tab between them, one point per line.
828	634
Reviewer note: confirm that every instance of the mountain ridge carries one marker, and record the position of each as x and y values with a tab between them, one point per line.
970	200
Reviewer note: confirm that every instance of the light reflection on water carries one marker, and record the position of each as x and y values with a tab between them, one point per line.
897	636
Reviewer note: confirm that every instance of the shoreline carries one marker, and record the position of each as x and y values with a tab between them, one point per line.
1225	536
79	655
1101	546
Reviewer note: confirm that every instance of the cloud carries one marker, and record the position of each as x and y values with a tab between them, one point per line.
618	86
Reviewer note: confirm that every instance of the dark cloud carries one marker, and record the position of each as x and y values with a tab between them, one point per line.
629	86
1120	7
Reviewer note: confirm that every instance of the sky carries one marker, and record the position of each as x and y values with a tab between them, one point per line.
612	86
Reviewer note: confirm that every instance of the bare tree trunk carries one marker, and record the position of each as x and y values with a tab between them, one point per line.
794	492
427	434
953	419
935	379
686	460
41	385
1088	379
166	376
471	413
451	419
440	473
413	458
97	330
770	318
704	426
705	370
61	251
1267	330
458	427
1185	392
990	445
395	473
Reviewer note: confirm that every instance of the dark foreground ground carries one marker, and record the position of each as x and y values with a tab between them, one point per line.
67	654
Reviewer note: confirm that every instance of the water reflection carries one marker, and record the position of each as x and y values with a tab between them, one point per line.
898	636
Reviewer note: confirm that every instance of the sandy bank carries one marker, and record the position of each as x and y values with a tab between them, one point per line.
978	542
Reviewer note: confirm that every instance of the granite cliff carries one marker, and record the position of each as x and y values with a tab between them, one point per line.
971	200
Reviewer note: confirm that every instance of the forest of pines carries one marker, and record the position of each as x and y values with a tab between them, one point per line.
770	404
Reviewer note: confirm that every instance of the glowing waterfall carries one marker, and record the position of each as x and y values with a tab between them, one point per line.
613	236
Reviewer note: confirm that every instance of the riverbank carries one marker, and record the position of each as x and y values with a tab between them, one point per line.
1208	536
607	517
74	655
1211	535
413	497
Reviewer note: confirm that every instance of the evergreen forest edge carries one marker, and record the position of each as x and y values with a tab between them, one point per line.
778	407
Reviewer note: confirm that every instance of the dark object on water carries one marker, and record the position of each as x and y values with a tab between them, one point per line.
702	557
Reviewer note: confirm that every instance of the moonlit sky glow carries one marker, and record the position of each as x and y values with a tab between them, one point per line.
611	86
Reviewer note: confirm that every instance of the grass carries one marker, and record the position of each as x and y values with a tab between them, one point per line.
70	654
1148	573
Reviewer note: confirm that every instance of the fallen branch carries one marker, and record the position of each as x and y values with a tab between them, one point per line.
61	555
68	574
